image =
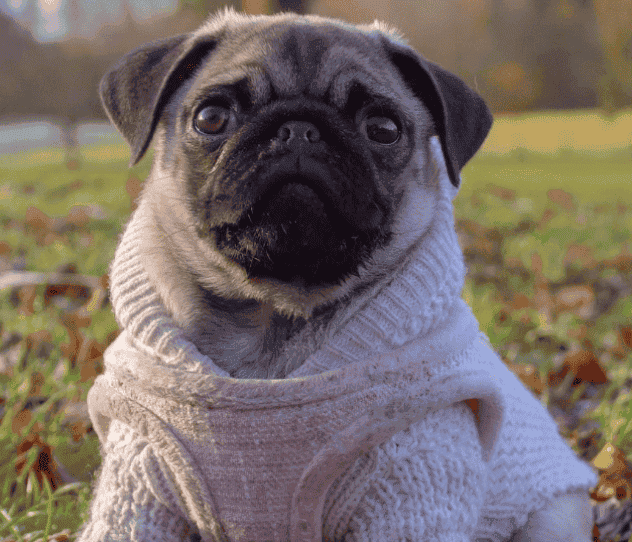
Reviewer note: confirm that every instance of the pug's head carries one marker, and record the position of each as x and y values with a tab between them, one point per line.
292	153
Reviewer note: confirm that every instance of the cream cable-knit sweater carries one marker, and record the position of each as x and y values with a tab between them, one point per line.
370	436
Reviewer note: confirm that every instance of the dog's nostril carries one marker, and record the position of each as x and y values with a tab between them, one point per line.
295	131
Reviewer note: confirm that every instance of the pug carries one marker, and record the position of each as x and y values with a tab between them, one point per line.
303	169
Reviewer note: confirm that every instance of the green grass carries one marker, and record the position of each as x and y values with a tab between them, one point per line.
581	153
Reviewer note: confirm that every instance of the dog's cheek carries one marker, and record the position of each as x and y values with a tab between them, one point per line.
196	166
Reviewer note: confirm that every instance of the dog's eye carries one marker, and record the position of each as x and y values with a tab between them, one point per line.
382	130
212	119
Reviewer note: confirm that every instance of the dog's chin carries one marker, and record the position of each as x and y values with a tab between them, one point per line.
294	234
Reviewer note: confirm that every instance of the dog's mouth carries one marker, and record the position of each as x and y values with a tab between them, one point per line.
294	202
301	230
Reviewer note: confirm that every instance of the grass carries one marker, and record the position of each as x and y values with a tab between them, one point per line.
545	222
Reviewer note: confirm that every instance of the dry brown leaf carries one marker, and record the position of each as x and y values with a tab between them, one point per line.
37	219
503	193
564	199
584	365
615	474
133	187
546	218
44	465
581	254
37	382
580	332
520	301
542	298
20	421
41	225
40	343
622	262
90	359
73	322
27	296
625	334
78	216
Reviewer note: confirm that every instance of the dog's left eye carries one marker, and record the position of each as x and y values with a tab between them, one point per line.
212	119
382	130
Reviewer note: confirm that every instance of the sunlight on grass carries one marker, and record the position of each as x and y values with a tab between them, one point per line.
551	132
105	153
36	157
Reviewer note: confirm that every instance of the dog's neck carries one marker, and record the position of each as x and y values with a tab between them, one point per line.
249	339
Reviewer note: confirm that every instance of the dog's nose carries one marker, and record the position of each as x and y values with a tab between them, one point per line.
298	132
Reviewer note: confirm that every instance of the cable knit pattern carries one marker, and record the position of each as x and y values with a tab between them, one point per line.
412	476
129	484
369	439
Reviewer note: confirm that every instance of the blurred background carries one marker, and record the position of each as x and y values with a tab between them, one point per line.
544	218
521	55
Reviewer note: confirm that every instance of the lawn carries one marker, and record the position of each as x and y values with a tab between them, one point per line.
544	216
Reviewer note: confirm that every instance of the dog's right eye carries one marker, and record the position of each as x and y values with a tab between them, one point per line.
212	119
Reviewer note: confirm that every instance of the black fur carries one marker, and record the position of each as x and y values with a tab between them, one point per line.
461	117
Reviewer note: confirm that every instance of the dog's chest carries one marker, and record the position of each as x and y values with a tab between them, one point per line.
260	343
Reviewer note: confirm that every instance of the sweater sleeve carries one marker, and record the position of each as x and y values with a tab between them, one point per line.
429	484
132	500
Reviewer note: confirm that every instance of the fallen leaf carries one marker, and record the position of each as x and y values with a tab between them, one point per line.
564	199
615	475
37	219
44	465
503	193
78	217
90	359
133	187
520	301
5	248
581	254
546	218
584	365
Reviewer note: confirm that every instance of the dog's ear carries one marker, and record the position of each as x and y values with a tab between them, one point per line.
137	88
461	118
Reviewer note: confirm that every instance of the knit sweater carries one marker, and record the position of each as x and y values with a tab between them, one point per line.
405	425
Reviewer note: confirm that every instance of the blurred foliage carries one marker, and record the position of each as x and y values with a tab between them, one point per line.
519	55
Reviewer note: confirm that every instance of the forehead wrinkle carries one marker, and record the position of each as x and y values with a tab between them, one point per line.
339	71
258	84
281	71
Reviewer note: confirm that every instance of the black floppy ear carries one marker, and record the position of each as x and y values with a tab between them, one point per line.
136	89
461	118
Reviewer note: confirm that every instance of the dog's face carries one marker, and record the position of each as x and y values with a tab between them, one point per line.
292	153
